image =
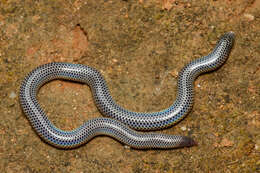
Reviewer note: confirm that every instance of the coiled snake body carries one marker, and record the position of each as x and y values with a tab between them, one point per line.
121	119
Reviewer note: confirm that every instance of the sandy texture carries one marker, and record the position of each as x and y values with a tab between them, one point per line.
139	46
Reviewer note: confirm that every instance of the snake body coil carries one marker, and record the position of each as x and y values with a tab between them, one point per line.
118	127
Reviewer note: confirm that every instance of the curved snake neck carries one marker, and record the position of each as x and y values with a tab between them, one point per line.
118	127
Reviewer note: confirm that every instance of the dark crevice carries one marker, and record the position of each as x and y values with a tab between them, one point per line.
82	29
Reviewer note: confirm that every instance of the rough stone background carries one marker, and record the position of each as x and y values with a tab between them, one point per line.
139	46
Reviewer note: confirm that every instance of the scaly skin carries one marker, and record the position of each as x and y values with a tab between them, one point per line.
118	127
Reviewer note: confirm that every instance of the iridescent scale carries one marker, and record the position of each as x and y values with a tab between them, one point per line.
121	120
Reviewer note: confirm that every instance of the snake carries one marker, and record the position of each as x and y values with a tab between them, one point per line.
121	124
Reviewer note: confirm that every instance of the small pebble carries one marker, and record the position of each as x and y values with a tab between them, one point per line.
183	128
126	147
114	60
12	95
250	17
174	73
226	143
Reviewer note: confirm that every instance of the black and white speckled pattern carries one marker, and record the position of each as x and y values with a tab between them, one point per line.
122	118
